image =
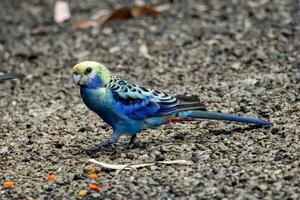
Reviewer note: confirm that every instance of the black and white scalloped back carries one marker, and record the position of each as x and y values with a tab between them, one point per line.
128	90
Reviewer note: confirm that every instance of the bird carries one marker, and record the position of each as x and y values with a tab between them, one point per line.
9	76
130	108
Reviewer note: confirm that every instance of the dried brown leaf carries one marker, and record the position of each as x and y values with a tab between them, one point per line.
143	10
116	15
84	24
126	13
120	14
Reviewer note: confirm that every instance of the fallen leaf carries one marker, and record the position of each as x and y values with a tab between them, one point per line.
95	187
143	10
126	13
93	176
119	14
123	13
51	177
61	11
8	184
84	24
92	170
82	193
136	166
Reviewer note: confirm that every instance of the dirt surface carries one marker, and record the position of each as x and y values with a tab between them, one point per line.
239	57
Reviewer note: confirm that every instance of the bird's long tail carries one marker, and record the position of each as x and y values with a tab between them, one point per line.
189	108
200	114
190	115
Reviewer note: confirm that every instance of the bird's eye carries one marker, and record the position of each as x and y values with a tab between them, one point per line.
88	70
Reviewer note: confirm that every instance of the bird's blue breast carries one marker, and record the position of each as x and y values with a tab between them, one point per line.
101	102
98	100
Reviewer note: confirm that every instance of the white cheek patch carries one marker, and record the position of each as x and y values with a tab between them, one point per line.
76	78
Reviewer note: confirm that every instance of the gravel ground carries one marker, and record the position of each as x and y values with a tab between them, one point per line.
239	57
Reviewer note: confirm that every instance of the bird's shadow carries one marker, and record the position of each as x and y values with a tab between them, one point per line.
237	129
151	144
200	138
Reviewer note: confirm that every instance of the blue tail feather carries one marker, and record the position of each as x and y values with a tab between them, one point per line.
228	117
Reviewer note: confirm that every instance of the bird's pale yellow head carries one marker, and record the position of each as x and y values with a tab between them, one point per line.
91	74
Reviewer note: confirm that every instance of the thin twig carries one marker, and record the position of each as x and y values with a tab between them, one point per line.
139	165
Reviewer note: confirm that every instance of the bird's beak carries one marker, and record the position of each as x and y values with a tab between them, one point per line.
77	78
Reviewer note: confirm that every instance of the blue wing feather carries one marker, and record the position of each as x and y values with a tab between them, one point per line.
140	102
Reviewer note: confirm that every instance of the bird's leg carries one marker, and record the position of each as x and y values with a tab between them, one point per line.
132	139
131	142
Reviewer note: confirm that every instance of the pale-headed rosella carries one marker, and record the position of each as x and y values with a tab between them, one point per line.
129	108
